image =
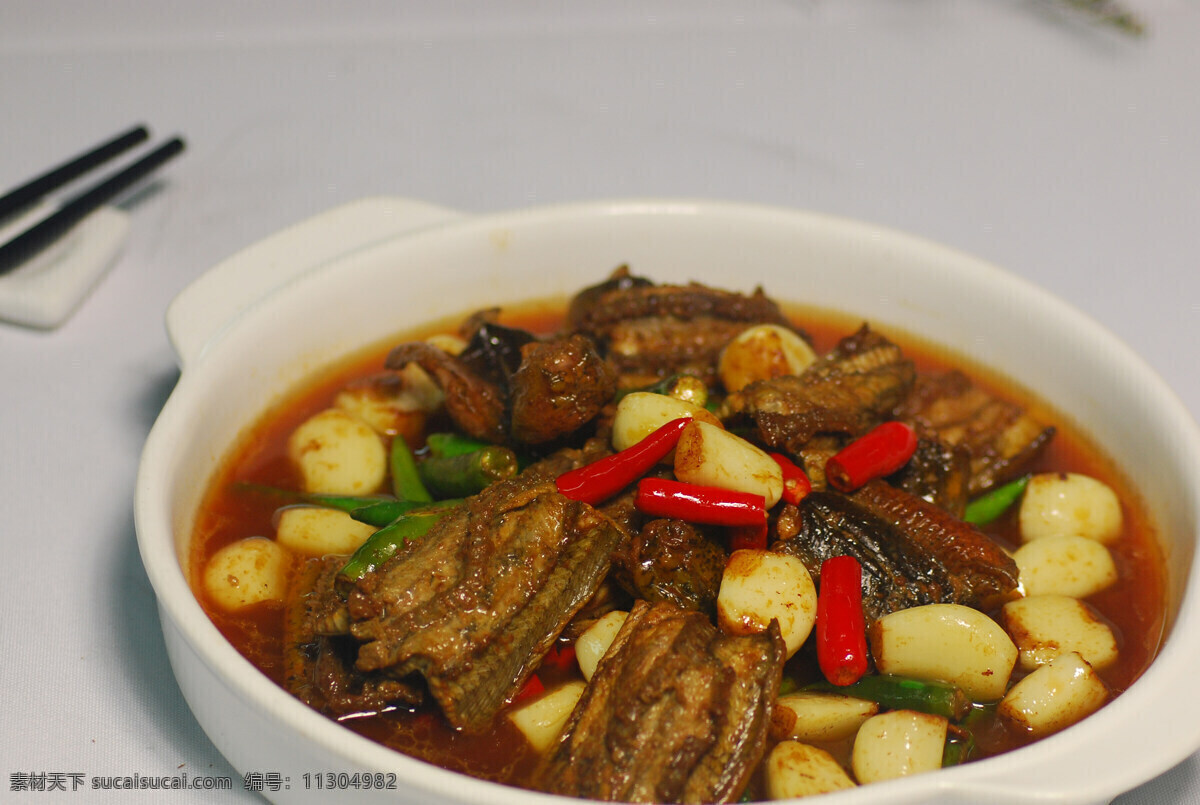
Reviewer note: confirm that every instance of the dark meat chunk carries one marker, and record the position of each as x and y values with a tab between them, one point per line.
476	603
670	560
567	459
532	393
912	552
650	331
848	391
559	386
1000	436
597	309
587	300
893	576
979	572
476	405
939	473
676	712
623	511
319	659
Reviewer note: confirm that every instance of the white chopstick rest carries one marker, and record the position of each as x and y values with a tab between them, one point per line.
47	289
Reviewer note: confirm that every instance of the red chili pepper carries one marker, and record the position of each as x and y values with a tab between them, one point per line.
561	659
881	452
602	479
662	497
532	687
751	537
795	481
841	627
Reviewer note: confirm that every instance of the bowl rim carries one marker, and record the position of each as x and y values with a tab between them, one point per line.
177	602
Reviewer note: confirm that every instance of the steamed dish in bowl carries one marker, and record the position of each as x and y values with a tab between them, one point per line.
678	543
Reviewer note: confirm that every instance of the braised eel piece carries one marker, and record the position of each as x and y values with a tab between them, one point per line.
911	551
672	560
649	331
675	712
846	392
475	604
319	654
516	388
477	405
940	473
1000	436
559	386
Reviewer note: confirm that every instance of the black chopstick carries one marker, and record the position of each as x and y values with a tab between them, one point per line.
46	231
20	198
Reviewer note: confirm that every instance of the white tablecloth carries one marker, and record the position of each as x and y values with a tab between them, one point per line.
1012	129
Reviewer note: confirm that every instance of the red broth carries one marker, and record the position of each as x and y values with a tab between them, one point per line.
1134	607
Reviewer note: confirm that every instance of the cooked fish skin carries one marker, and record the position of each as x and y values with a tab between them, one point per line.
649	331
1000	436
477	406
911	551
675	712
847	392
476	603
318	667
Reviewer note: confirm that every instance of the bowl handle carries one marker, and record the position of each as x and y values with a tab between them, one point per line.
223	292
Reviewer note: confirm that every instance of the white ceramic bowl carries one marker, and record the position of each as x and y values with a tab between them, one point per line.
260	322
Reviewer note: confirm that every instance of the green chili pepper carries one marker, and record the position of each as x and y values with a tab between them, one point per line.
986	508
346	503
960	746
905	693
406	481
467	473
960	738
382	512
445	445
384	543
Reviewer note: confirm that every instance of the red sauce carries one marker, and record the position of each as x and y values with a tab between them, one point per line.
1134	607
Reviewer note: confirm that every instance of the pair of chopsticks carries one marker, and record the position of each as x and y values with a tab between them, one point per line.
32	241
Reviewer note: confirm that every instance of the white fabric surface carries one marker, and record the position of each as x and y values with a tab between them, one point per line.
1006	128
